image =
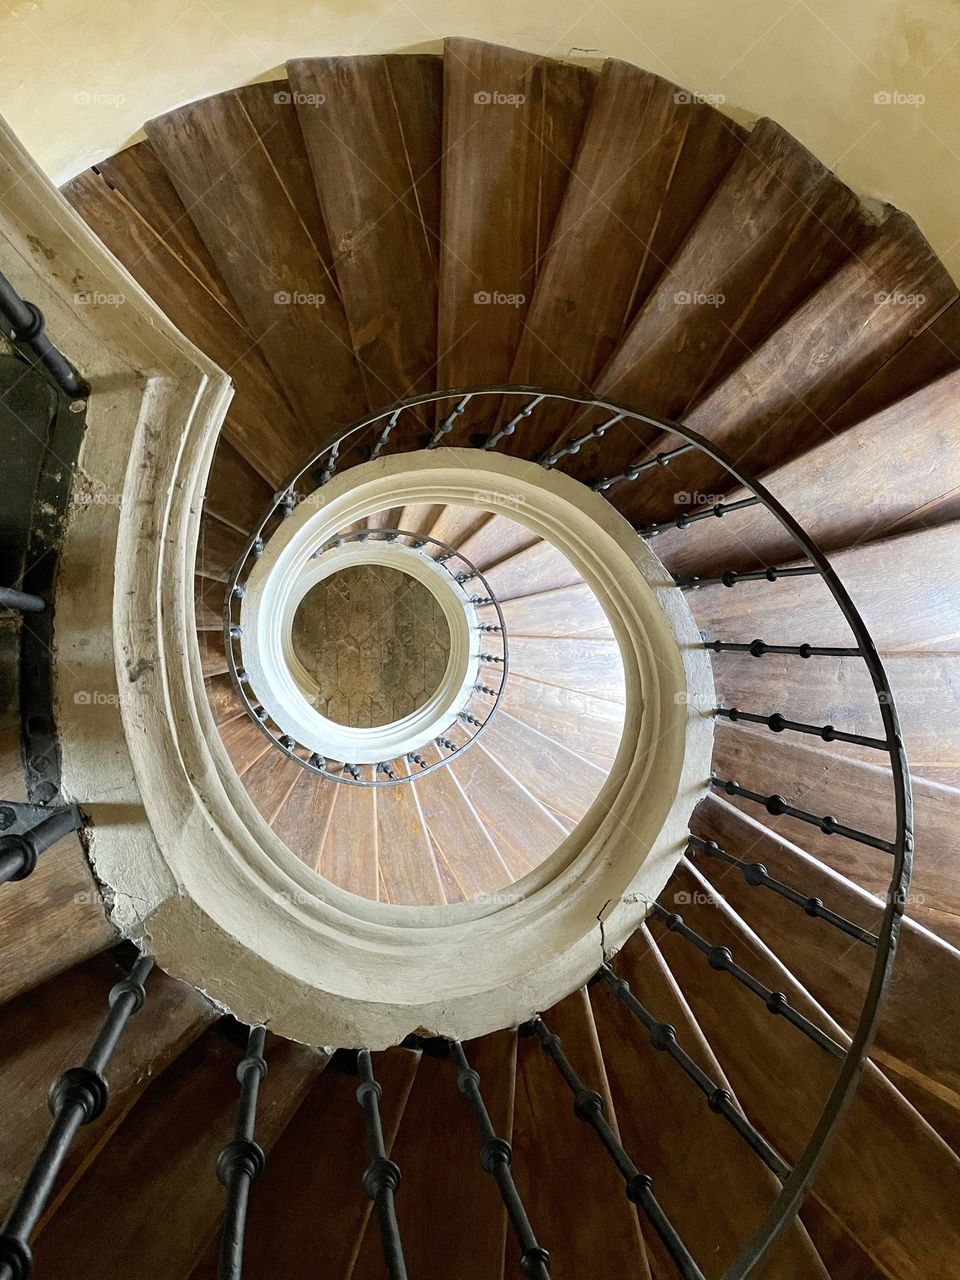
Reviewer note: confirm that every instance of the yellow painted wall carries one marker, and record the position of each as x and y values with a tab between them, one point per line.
871	86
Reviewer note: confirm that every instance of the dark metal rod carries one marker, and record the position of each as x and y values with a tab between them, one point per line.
691	517
638	468
382	1176
721	959
755	874
22	601
588	1107
777	723
241	1160
663	1037
24	324
732	577
551	458
495	1157
450	421
777	807
77	1097
758	648
510	427
18	854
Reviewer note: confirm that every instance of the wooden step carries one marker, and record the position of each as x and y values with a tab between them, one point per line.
777	227
418	517
461	836
555	773
219	548
892	473
779	400
238	163
304	818
583	665
920	1023
164	1154
581	1206
717	1211
408	868
372	129
438	1150
524	831
50	1029
208	600
565	611
213	655
540	567
245	743
455	523
512	123
593	724
350	851
270	781
132	206
224	700
52	920
887	1175
650	159
308	1204
859	796
496	541
906	589
235	492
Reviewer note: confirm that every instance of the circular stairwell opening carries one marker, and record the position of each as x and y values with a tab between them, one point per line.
375	642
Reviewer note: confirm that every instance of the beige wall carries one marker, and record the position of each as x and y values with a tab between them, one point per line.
77	77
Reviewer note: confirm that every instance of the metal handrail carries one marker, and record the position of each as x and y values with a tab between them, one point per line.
798	1182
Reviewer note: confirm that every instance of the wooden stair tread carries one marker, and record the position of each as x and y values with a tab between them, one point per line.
407	865
565	611
270	781
372	128
553	772
223	698
920	1021
505	171
52	1028
497	540
235	492
541	567
219	548
245	743
163	1154
650	158
714	1224
589	725
468	848
238	164
584	665
304	817
350	853
213	656
784	1082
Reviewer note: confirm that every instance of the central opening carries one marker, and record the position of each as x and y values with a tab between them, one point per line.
376	642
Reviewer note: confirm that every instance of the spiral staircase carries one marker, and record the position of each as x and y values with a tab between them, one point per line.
655	413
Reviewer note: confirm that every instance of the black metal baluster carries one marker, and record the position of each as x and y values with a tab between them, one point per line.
241	1160
23	323
18	854
416	759
777	723
22	601
733	577
550	459
663	1037
384	435
77	1097
637	469
688	518
721	959
331	463
755	874
495	1157
759	649
386	770
382	1176
450	421
588	1107
446	744
510	427
777	807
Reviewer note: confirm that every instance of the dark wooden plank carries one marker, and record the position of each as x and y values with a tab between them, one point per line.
133	208
564	611
213	656
223	698
238	164
310	1207
540	567
269	783
714	1226
163	1155
372	127
51	921
778	401
208	599
594	724
571	662
497	540
579	1212
887	1175
303	820
512	122
650	158
777	227
219	548
52	1028
244	742
860	796
920	1023
408	869
235	493
891	473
